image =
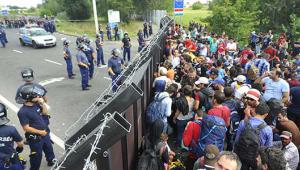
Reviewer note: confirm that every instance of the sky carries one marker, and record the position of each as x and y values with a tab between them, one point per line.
20	3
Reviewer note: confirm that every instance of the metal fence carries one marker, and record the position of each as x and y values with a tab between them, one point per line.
108	134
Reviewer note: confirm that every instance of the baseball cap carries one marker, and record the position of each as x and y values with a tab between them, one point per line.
218	81
202	80
163	71
3	115
286	134
240	78
253	94
211	153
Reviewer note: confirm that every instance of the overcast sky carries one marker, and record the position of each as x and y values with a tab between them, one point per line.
20	3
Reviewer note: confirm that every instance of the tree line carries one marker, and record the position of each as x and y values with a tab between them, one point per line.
82	9
240	17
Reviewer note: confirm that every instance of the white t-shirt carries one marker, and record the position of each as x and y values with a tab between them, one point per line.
275	89
231	47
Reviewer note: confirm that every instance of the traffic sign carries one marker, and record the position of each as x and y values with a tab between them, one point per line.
178	7
4	12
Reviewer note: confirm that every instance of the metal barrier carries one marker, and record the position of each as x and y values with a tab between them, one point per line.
116	150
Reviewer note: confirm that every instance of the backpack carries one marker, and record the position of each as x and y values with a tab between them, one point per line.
248	144
252	72
153	111
182	105
213	131
235	119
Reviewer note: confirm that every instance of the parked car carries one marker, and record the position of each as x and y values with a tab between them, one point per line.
36	37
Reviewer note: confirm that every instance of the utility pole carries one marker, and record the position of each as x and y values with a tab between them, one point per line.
95	16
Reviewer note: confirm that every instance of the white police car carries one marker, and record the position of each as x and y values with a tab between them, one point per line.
36	37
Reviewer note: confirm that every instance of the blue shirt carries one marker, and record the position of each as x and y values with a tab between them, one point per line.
115	63
263	66
295	100
8	135
266	134
31	115
98	42
68	52
81	57
275	89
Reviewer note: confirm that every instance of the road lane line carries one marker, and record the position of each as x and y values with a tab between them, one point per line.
107	78
103	66
49	81
50	61
17	51
14	108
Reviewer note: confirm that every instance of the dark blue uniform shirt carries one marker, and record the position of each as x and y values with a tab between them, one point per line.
98	46
81	57
8	135
68	52
116	64
31	115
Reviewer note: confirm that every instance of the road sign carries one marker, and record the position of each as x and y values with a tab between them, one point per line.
113	16
178	7
4	12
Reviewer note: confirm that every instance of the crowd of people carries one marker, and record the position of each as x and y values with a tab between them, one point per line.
221	106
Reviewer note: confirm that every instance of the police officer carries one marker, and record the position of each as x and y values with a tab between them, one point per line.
126	47
9	158
91	56
83	65
36	129
150	28
108	31
68	59
101	32
146	35
3	38
117	37
28	77
115	67
99	48
140	40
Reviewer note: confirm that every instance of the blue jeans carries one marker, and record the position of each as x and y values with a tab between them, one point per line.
84	76
100	57
126	50
180	124
69	67
36	152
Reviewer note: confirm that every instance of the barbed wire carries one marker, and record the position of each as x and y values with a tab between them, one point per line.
108	92
70	150
88	162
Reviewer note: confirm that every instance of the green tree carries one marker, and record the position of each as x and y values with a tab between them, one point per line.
78	9
197	6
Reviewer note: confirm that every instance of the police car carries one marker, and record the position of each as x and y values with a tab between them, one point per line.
36	37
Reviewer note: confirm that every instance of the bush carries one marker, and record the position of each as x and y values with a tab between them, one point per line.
197	6
62	16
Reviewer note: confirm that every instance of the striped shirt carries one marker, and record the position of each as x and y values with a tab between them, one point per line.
263	66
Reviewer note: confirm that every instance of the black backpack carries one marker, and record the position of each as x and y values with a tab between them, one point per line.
249	143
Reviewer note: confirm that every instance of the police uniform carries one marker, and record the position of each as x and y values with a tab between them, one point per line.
126	48
3	38
146	35
31	115
108	31
9	159
68	59
89	54
81	58
115	63
141	41
100	54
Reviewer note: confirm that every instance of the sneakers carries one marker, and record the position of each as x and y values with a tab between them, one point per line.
51	163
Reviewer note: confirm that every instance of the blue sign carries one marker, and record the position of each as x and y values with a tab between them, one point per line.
4	12
178	4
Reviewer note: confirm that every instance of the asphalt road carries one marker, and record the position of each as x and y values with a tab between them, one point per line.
66	99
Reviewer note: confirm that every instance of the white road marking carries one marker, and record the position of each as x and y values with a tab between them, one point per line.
14	108
107	78
103	66
50	61
17	51
49	81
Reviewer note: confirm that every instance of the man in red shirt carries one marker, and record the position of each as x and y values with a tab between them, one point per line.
218	109
244	54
